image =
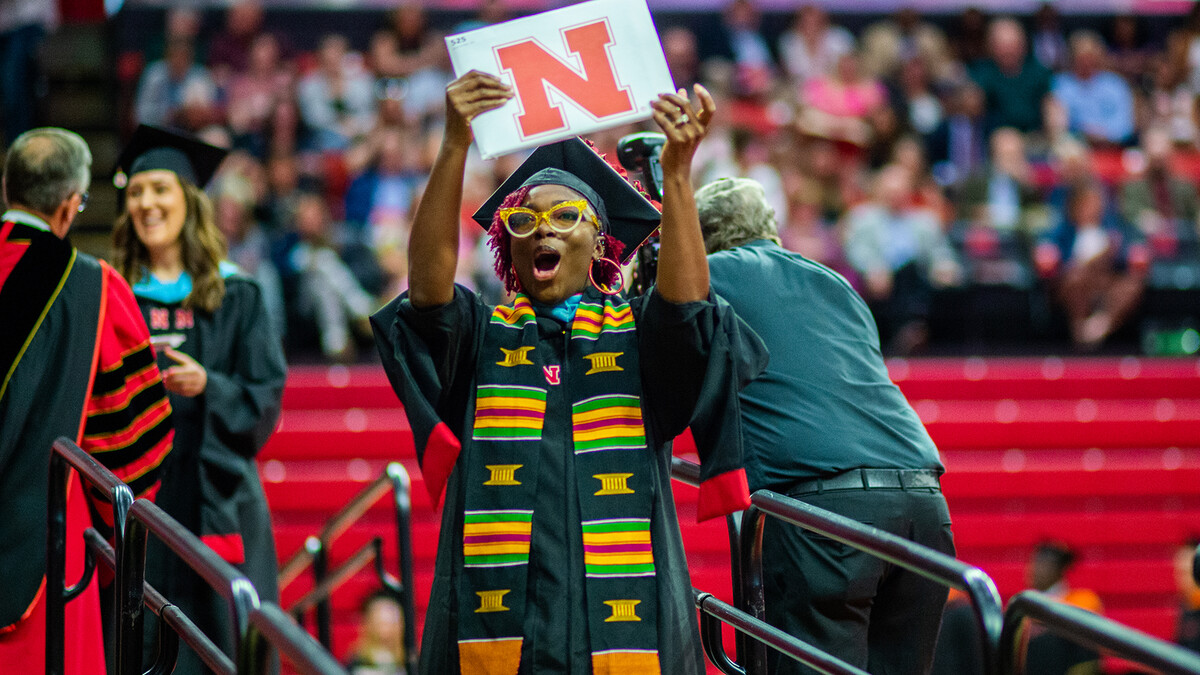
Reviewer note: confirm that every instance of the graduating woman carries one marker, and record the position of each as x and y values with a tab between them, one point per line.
223	367
547	422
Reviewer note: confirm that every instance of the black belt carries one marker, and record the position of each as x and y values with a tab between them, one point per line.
869	479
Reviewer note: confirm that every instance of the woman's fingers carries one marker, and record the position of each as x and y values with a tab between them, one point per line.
708	106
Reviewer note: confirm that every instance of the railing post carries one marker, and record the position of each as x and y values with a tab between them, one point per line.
56	563
989	616
402	493
320	567
752	654
248	645
130	577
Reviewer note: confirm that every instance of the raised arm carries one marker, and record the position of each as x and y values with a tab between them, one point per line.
433	246
682	265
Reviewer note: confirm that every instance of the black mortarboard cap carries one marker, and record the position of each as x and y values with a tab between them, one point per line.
153	148
626	214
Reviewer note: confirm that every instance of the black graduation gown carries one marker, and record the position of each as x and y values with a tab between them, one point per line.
210	481
694	357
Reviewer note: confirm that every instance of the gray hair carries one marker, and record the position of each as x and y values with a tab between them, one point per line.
734	211
45	167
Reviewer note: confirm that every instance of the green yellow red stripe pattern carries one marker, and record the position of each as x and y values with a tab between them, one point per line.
608	422
592	318
516	316
509	413
618	547
496	538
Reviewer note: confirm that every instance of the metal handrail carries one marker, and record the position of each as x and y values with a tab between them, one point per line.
179	623
64	456
763	632
1089	630
747	556
372	550
314	553
270	624
932	565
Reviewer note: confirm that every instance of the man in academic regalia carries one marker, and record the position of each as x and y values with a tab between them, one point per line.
75	361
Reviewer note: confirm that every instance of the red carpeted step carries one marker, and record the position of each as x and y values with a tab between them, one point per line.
1049	377
1022	531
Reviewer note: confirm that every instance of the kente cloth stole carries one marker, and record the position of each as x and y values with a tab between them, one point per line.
614	468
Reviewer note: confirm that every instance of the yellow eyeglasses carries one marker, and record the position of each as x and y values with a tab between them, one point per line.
562	218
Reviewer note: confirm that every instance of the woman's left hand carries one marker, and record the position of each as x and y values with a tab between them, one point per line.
189	378
683	125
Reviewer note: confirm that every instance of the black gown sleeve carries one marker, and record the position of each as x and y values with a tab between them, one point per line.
243	402
695	357
429	356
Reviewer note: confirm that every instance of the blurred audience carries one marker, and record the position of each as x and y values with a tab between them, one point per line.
1187	627
177	91
1047	653
337	99
24	24
811	47
379	648
901	253
1162	205
1013	83
1096	266
1099	103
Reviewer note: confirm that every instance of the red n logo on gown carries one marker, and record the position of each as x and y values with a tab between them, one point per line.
534	68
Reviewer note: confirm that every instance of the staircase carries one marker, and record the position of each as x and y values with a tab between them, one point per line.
1101	453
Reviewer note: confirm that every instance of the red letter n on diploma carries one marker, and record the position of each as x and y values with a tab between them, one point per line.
533	68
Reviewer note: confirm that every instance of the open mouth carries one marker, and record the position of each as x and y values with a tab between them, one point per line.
545	263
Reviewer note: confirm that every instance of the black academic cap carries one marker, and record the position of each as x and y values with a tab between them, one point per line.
628	216
153	148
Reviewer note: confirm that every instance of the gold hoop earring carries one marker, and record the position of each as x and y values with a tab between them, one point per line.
616	288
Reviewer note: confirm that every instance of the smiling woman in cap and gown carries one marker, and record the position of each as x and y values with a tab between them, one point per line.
547	422
223	367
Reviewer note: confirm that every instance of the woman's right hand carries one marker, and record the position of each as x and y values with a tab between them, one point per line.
466	97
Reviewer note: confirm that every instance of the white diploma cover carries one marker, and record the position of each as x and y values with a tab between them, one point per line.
575	70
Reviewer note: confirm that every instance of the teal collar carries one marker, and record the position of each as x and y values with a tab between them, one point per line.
563	311
169	293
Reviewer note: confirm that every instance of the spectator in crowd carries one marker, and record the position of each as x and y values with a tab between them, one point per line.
326	295
842	105
230	50
253	94
1187	626
176	90
337	100
1047	653
825	424
1129	55
958	146
921	108
381	198
901	254
234	200
1002	197
970	35
811	47
1096	264
1158	201
1099	103
1191	36
418	60
1049	46
77	363
682	55
1013	84
1171	101
887	44
379	648
24	24
744	45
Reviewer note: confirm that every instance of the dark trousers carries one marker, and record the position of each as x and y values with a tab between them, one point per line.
855	606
